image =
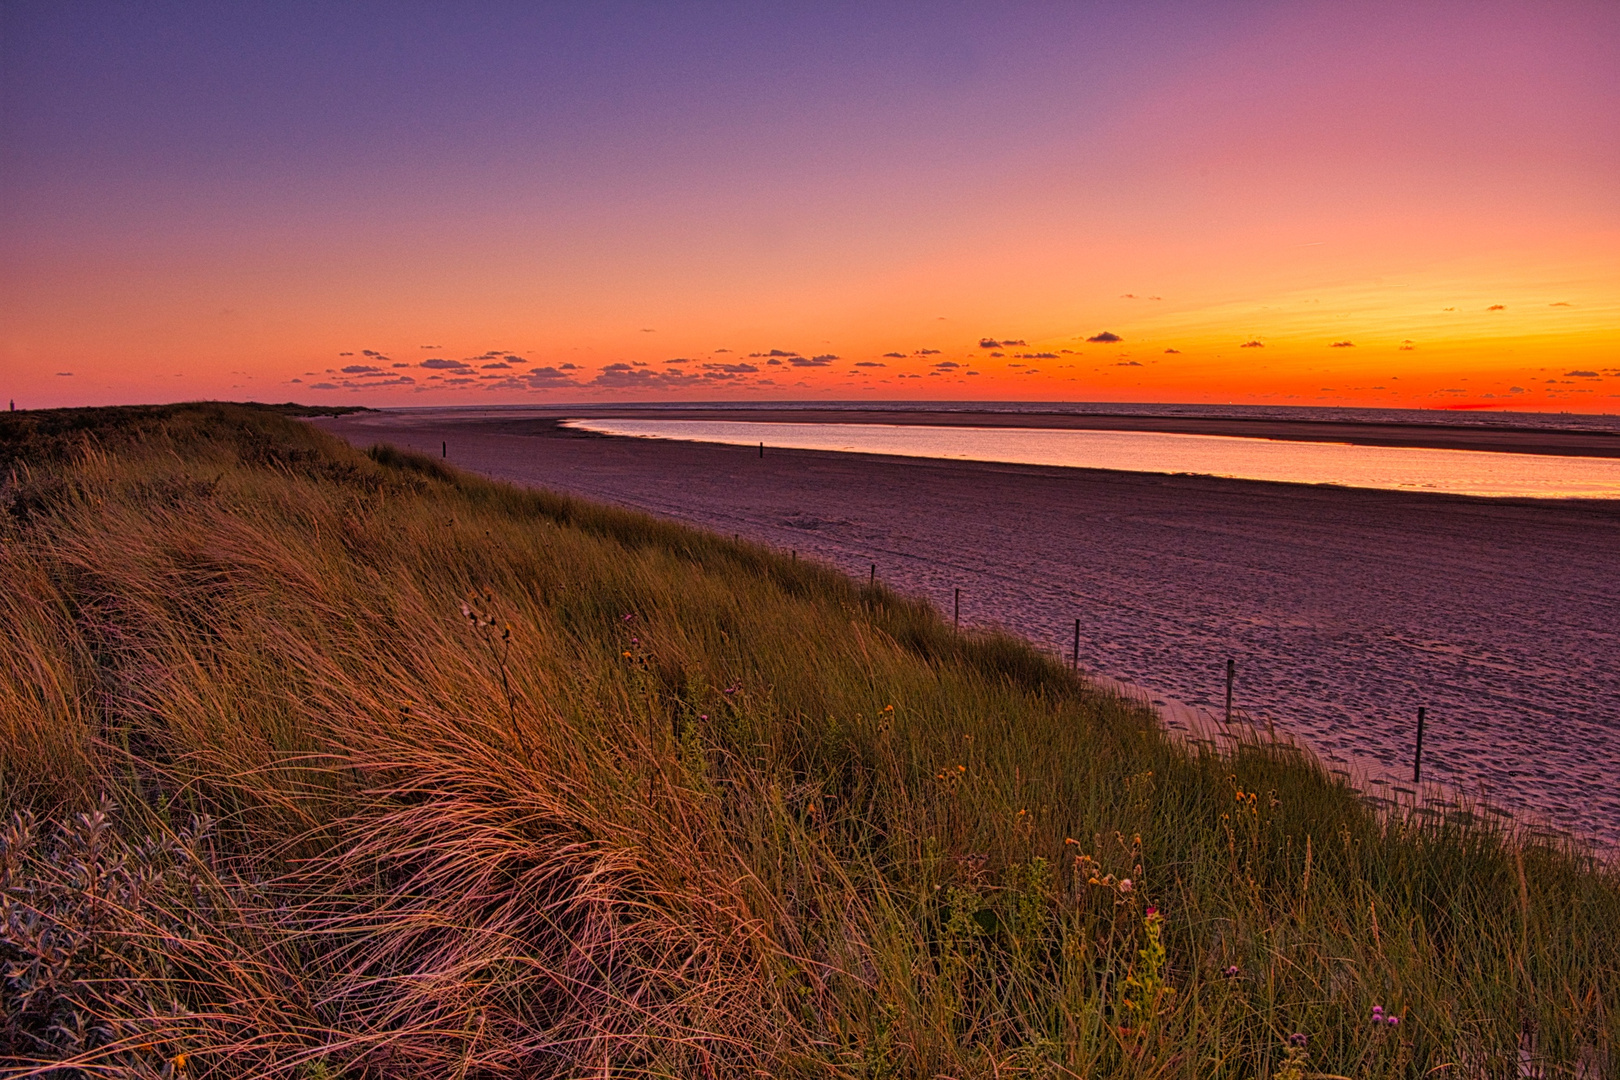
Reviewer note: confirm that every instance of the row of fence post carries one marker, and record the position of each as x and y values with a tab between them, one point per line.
1231	680
1231	665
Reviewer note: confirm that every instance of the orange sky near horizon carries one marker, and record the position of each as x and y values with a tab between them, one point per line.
1349	205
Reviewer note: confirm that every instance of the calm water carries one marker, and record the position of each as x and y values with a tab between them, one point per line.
1459	472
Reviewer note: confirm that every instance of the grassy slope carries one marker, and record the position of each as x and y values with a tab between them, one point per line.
654	801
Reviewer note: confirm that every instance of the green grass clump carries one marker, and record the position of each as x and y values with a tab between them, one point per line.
317	763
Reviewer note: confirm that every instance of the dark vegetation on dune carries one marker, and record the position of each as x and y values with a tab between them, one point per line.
315	763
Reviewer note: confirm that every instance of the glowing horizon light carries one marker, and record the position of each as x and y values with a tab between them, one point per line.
1328	206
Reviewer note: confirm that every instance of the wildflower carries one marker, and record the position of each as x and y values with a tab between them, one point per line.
627	618
635	641
1232	972
703	716
1126	886
179	1062
1298	1039
1378	1014
1392	1020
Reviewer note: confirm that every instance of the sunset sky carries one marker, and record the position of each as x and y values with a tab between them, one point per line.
1339	203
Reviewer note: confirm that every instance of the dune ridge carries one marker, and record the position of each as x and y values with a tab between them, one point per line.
327	763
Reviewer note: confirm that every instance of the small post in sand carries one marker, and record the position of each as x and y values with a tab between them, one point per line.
761	449
872	581
1231	672
1417	758
795	554
444	449
1074	659
956	619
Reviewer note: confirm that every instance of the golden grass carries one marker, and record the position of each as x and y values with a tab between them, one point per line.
322	764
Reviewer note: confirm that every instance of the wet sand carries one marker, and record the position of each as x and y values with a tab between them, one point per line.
1345	609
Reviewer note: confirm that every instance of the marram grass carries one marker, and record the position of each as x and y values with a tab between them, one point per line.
324	764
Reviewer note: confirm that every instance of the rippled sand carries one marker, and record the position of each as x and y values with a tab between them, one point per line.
1344	609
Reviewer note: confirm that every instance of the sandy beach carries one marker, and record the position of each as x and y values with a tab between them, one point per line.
1344	609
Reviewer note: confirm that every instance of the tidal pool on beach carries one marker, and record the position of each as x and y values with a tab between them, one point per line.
1389	468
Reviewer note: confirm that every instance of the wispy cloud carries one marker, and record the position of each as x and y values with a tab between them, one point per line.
622	376
540	378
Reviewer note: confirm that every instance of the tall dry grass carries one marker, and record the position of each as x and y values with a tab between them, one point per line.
322	764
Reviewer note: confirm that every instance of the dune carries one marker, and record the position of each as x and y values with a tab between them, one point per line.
1345	610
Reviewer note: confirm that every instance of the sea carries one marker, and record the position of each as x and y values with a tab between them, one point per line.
1440	471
